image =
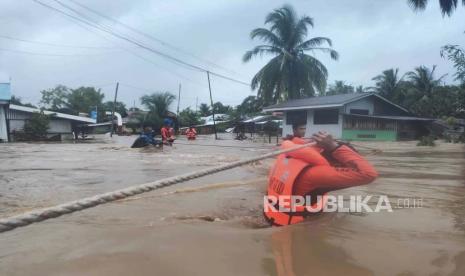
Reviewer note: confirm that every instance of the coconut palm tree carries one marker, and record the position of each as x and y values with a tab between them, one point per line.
424	81
204	110
158	102
340	87
291	73
388	84
447	6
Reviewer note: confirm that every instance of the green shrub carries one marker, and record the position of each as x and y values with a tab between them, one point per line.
426	141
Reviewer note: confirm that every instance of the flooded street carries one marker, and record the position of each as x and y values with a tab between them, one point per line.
213	225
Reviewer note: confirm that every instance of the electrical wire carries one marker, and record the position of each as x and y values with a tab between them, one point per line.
164	43
56	45
125	38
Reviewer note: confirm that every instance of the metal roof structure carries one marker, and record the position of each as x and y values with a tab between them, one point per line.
52	113
325	102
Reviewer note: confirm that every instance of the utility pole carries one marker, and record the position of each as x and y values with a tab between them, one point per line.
113	111
211	101
196	104
179	99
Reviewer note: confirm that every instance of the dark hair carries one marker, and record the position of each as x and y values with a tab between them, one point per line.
297	125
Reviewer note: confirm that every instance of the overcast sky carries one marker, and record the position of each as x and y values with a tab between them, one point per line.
370	36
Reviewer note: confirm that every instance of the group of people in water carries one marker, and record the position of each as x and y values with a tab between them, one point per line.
168	136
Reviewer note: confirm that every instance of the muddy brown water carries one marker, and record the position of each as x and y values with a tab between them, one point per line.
213	225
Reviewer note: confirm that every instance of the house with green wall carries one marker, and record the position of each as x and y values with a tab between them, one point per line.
356	116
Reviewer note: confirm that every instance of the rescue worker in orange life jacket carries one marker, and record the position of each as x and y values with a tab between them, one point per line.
191	133
307	171
167	133
298	135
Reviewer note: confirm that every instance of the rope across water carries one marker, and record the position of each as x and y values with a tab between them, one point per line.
13	222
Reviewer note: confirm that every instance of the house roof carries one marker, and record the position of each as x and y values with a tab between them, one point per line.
324	102
55	114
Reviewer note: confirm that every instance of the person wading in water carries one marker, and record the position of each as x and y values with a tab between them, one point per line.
312	171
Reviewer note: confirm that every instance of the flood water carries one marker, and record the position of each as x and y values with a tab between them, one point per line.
213	225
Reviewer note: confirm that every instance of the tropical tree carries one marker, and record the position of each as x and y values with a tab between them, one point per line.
55	98
423	80
388	84
18	101
457	55
204	110
84	99
250	106
37	126
339	87
220	108
291	73
188	117
157	104
423	83
447	6
361	89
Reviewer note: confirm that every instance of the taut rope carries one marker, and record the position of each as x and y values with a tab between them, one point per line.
39	215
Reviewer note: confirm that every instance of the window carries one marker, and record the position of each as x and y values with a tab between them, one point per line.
326	116
296	117
359	111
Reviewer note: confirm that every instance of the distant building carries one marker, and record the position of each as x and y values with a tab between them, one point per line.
357	116
5	97
219	118
61	125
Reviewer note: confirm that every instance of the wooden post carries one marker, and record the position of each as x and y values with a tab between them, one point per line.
211	101
179	99
113	111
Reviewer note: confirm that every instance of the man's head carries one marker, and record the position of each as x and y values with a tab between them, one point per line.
299	129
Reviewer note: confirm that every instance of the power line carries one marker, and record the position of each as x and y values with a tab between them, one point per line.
46	54
93	24
173	59
164	43
56	45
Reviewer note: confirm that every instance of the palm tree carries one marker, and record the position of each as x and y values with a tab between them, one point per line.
388	84
421	97
291	73
424	81
361	89
204	110
447	6
340	87
158	103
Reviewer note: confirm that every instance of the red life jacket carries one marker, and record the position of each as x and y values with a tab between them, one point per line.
281	182
191	133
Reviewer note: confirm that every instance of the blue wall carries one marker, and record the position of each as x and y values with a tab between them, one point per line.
5	91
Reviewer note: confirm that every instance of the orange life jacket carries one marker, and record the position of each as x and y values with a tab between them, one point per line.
281	182
191	133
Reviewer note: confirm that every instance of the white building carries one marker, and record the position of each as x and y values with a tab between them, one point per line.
5	97
60	124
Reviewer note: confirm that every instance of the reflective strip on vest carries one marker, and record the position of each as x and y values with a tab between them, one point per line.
281	182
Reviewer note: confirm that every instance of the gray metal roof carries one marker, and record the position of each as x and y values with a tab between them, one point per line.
321	101
325	101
